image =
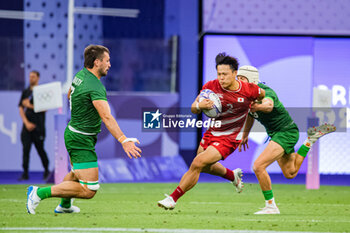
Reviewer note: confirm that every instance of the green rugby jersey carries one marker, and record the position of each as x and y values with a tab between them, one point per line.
278	118
85	88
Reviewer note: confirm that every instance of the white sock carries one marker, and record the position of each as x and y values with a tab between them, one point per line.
270	202
309	142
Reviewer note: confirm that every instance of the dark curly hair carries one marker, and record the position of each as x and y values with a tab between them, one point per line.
224	59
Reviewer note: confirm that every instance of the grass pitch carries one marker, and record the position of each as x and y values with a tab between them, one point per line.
207	206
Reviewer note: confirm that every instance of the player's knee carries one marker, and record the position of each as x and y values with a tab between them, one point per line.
90	189
89	193
257	168
289	175
197	164
207	169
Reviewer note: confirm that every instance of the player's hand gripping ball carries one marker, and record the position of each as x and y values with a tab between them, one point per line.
217	108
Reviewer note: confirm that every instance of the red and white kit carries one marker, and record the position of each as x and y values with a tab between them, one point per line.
235	107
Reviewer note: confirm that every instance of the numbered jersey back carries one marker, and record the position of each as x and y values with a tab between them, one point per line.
86	88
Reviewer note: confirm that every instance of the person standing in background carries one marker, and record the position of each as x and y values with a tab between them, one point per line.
33	130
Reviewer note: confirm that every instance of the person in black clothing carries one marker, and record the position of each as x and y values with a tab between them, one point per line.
33	130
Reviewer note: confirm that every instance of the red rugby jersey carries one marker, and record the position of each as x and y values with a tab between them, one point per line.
235	107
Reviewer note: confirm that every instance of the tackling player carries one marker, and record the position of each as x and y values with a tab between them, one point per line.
284	134
88	103
218	143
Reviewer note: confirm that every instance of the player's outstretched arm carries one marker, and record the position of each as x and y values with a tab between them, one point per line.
248	126
128	144
197	107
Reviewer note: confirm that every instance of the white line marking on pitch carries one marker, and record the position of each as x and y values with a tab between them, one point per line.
280	204
64	229
11	200
295	220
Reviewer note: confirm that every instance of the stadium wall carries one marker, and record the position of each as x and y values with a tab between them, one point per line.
306	17
303	17
325	19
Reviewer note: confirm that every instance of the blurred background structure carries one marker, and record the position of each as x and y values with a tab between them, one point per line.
162	51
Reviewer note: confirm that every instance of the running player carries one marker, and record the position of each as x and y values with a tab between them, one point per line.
218	143
88	103
284	134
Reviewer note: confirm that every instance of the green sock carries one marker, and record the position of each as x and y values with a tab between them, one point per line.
65	202
303	150
44	192
268	195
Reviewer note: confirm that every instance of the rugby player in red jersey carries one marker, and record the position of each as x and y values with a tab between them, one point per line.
219	142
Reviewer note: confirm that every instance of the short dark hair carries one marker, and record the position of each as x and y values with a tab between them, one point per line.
35	72
93	52
224	59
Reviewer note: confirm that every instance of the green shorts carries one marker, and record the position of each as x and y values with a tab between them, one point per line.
286	138
81	149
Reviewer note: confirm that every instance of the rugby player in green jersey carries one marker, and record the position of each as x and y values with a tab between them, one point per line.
89	106
284	134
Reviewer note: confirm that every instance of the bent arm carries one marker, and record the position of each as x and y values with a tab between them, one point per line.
195	106
23	115
26	103
262	94
265	106
69	92
29	125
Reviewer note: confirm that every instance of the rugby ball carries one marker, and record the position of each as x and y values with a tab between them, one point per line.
217	108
